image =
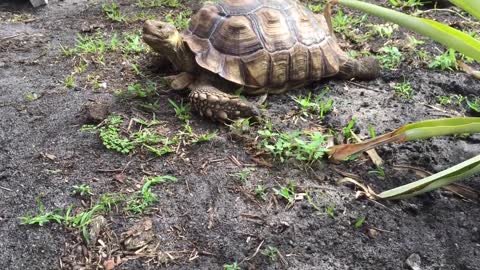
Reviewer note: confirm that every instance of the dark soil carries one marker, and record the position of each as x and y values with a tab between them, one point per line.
209	218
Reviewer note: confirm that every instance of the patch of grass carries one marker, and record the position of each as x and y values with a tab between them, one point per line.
359	222
319	106
112	11
158	3
133	44
32	96
69	81
179	19
80	220
342	22
391	57
403	89
261	192
384	30
243	175
82	190
380	171
145	197
284	146
445	61
474	104
271	253
330	210
181	111
111	138
42	217
406	3
315	6
139	90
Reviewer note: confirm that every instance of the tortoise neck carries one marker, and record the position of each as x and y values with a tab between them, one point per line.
180	55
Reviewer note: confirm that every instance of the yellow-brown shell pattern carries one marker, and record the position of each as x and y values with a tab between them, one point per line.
263	43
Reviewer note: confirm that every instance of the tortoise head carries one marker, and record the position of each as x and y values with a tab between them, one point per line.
161	36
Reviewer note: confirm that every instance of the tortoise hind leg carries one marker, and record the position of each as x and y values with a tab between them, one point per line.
217	105
366	68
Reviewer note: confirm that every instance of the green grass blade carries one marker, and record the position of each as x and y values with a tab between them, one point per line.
446	35
470	6
456	173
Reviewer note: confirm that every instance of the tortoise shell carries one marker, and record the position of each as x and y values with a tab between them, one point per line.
263	43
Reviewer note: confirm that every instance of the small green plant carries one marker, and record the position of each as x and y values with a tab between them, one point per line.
371	131
111	138
82	190
133	44
284	146
312	149
444	100
261	192
445	61
403	89
145	198
391	57
232	266
69	81
380	171
287	193
140	90
42	216
32	96
347	131
330	210
319	106
384	30
271	253
112	10
181	111
474	104
243	175
315	7
359	222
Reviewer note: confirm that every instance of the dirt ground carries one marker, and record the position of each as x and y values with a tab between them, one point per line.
209	218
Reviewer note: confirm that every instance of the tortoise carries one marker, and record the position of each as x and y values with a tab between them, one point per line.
258	46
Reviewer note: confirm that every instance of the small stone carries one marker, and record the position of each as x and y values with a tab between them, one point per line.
96	112
109	264
37	3
414	261
95	227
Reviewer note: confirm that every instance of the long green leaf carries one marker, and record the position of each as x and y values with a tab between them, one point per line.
453	174
446	35
470	6
414	131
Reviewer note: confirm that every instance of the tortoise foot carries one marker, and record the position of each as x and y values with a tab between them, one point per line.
219	106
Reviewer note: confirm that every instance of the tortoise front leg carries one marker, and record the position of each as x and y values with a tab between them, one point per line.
219	106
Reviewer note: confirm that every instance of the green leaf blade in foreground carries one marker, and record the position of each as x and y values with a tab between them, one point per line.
440	127
453	174
410	132
470	6
448	36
